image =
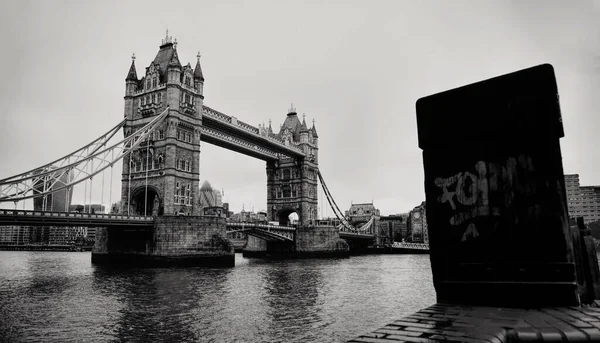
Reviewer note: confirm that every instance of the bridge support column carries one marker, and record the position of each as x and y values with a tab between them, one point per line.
317	241
320	241
174	240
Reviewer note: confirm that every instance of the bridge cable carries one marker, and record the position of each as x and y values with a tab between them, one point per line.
103	137
146	191
129	186
91	179
111	179
332	203
102	192
17	187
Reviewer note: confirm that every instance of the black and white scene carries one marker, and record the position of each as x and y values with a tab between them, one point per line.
300	171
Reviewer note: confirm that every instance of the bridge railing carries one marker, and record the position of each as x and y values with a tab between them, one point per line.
28	213
260	226
407	245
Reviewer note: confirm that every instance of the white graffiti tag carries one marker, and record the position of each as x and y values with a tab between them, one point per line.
472	191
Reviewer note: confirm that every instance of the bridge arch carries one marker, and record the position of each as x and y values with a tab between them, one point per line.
283	216
138	205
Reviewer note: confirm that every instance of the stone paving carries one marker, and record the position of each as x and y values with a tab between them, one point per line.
458	323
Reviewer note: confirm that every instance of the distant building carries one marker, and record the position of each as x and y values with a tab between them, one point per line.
417	224
210	197
582	201
248	217
93	208
226	209
397	226
361	213
15	235
217	211
58	201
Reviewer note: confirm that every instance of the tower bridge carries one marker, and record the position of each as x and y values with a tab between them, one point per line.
165	120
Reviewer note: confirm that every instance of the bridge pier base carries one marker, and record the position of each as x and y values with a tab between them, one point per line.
309	242
173	241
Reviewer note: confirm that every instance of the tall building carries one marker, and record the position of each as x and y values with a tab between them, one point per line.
583	201
58	201
396	224
417	224
210	197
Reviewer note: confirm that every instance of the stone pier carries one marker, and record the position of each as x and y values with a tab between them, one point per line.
309	242
174	240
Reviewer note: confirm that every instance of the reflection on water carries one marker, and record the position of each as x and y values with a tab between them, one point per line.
53	296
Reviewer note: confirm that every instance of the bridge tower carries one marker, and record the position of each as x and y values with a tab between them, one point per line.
292	183
161	177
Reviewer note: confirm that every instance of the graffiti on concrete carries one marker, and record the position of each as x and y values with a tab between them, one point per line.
468	193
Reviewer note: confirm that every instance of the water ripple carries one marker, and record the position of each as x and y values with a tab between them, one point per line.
61	297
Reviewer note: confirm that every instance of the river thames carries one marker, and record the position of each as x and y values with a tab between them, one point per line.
62	297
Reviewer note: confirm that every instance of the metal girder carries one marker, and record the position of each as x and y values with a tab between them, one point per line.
80	166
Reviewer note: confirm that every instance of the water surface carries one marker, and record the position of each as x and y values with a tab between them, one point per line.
62	297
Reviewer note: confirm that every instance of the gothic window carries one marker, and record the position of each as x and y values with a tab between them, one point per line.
161	134
160	160
177	164
188	194
187	80
143	101
155	98
159	98
149	99
178	134
187	164
287	192
148	84
177	193
154	83
286	174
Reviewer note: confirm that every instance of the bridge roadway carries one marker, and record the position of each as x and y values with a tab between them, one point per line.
49	218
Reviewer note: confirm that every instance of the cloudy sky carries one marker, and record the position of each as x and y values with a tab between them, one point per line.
356	67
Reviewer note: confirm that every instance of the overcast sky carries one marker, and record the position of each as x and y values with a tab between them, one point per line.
356	67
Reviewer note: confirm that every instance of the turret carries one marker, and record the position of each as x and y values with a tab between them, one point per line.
303	130
198	77
174	69
131	80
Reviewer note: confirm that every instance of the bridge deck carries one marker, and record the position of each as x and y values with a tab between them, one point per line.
47	218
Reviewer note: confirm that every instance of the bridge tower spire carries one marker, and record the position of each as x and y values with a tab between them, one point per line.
162	176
